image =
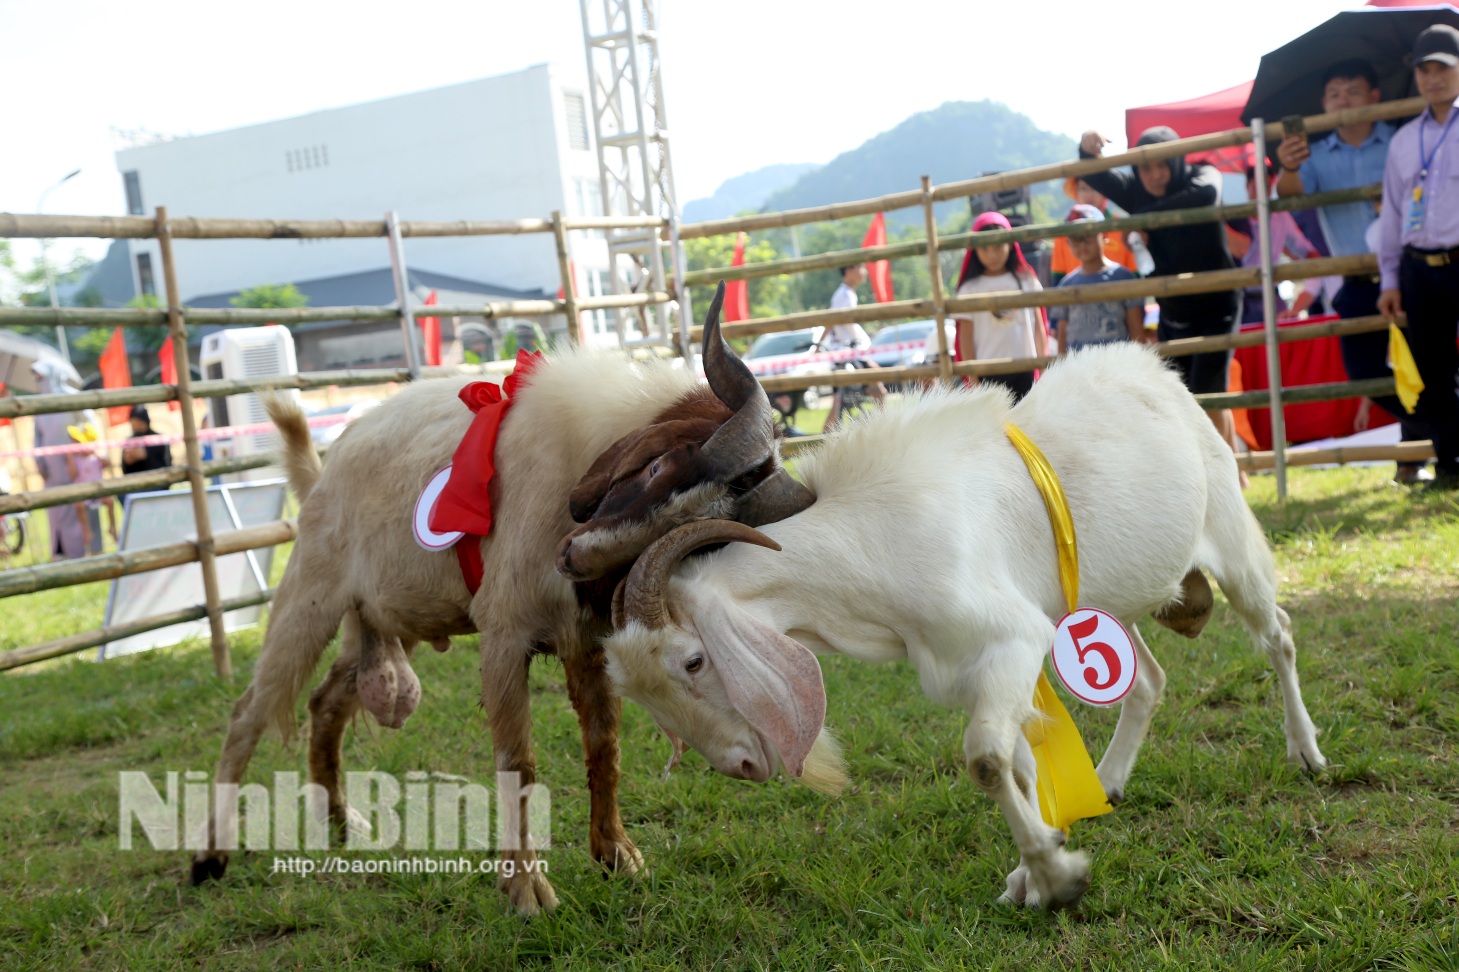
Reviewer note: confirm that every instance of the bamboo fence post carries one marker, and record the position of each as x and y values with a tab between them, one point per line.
681	292
414	355
222	664
569	286
939	298
1269	309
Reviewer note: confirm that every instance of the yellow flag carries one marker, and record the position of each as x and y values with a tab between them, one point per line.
1405	372
1068	787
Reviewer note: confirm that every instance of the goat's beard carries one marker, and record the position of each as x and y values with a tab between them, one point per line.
825	770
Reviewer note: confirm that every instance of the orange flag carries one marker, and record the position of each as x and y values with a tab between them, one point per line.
169	368
880	271
737	292
431	333
116	373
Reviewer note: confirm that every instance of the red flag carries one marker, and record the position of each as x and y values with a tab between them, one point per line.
737	292
169	368
880	271
430	328
3	394
116	373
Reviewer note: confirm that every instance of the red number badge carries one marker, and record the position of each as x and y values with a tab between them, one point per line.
1094	657
420	519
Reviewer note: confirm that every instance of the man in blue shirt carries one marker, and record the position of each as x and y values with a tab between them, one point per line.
1346	158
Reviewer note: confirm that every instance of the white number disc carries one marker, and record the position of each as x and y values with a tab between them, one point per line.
424	506
1094	656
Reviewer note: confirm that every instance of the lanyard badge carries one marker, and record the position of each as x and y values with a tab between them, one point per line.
1418	203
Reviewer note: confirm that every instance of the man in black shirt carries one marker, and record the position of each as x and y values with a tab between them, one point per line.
140	458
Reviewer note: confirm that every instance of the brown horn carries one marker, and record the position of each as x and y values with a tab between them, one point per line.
618	618
727	375
778	496
643	598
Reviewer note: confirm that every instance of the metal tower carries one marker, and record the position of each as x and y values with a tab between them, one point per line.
620	38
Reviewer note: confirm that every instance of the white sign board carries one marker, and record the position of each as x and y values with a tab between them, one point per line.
166	516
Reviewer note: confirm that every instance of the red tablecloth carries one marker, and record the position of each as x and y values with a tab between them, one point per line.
1313	362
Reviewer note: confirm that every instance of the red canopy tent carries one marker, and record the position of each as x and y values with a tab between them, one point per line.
1216	112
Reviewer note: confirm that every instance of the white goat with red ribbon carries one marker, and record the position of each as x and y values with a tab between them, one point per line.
928	541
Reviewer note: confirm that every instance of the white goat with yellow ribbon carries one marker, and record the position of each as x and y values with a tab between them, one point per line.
929	541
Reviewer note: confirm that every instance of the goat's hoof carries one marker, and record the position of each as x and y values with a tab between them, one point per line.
619	855
1016	886
208	867
1307	757
530	893
1115	797
1058	882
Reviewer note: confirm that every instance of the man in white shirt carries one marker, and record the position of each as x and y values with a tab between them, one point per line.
842	336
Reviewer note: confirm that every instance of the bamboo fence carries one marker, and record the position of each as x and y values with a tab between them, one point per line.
207	546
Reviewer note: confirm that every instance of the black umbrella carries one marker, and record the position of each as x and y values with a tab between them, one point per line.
1289	81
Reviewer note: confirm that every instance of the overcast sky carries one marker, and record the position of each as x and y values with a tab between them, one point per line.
747	83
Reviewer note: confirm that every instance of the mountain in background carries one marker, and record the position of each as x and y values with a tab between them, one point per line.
746	192
959	140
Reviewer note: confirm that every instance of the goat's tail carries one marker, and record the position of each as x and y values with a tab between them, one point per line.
301	461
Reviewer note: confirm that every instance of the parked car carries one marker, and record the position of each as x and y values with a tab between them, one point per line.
781	354
324	435
906	345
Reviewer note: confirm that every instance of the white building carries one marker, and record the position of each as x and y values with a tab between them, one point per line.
507	147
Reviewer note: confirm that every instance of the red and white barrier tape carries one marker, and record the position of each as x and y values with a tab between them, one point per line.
258	428
830	357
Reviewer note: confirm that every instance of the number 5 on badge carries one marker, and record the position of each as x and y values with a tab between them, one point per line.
1094	657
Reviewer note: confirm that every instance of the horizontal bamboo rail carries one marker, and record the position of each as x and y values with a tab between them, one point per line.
22	225
1024	234
130	317
1172	286
1418	451
18	405
67	573
141	482
1044	173
1297	394
17	657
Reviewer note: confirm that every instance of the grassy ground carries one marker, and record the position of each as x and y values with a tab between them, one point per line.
1223	857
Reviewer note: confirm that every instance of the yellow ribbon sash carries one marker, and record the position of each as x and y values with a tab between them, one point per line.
1068	788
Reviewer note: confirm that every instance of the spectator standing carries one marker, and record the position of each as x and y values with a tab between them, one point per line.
1175	184
68	539
140	458
1418	241
1287	238
1346	158
1016	333
841	337
1063	261
1081	325
89	467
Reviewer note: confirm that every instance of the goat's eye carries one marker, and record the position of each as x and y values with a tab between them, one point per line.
653	470
694	664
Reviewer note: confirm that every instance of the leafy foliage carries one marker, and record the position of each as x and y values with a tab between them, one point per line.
270	295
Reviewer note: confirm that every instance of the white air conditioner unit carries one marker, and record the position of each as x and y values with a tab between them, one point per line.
246	352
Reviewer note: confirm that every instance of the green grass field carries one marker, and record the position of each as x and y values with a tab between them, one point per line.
1222	857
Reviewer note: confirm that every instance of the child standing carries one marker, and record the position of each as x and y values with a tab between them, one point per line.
88	467
1017	333
1080	325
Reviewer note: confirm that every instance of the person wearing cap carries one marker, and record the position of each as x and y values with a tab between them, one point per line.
1063	261
1165	185
1081	325
89	467
1418	241
140	458
1016	332
1350	156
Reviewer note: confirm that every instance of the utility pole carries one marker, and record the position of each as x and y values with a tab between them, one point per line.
46	262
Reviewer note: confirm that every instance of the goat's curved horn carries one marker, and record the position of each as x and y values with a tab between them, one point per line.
619	620
728	376
778	496
744	441
643	597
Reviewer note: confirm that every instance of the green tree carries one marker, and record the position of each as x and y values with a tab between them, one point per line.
270	295
769	296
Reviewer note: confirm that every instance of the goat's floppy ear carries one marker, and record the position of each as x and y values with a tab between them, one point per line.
773	681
